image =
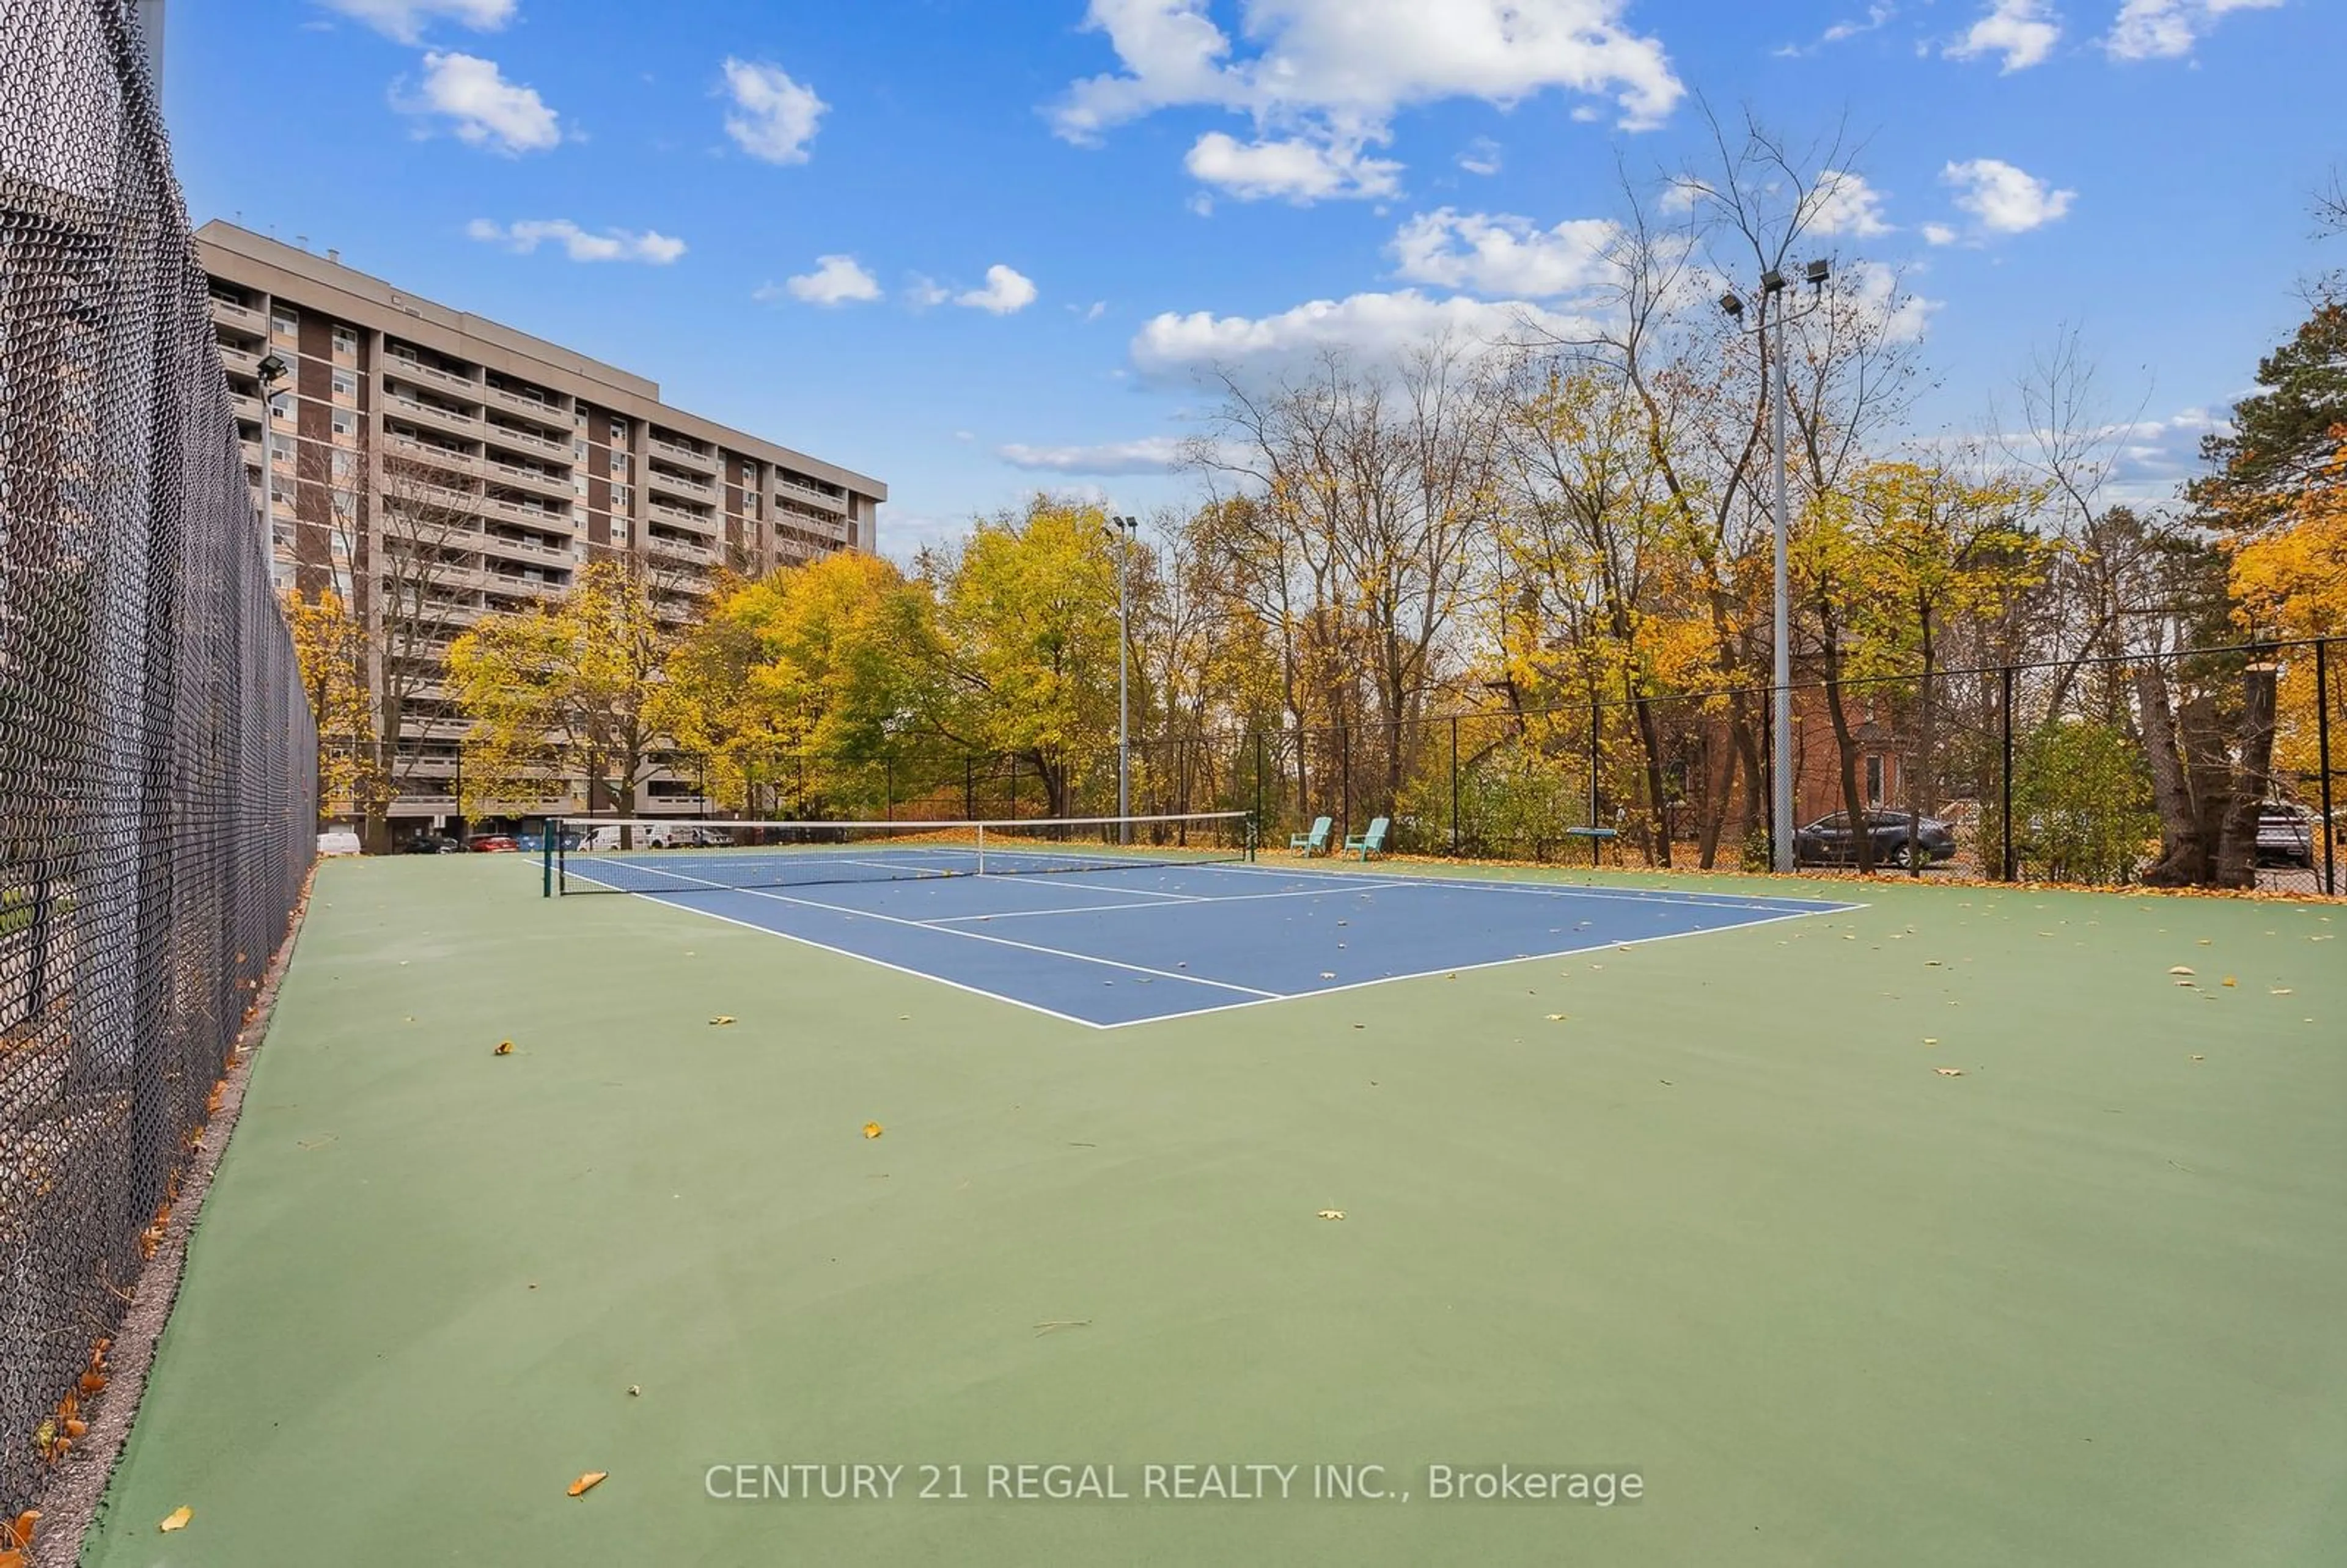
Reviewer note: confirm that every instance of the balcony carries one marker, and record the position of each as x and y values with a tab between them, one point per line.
413	409
666	549
241	361
538	478
808	493
677	516
526	586
542	516
527	441
396	364
530	404
679	483
244	316
499	545
705	461
455	462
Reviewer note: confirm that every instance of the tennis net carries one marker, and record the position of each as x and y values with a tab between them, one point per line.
651	854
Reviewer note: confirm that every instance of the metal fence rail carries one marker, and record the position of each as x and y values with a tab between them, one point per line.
157	798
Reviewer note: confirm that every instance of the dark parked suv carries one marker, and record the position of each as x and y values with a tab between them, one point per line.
1830	841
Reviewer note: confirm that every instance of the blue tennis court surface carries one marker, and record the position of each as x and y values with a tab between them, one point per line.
1137	943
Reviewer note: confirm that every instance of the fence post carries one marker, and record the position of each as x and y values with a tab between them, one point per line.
968	785
36	995
2323	758
1454	784
888	789
1258	780
1596	845
2004	785
1345	760
1767	772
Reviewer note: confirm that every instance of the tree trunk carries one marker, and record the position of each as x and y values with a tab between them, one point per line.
2183	862
2237	842
1845	748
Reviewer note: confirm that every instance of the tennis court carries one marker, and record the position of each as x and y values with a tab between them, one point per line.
1708	1210
1082	935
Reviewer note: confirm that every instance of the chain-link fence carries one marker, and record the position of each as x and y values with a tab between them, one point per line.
156	753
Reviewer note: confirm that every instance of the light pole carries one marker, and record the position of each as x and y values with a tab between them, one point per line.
1121	530
267	373
1780	788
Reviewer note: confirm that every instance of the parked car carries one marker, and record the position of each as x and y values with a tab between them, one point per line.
493	844
431	844
1831	840
338	841
2287	834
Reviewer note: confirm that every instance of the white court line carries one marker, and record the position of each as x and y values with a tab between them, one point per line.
1206	898
979	937
1489	963
1256	998
1626	894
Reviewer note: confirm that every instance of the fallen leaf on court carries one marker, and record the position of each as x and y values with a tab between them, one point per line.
1332	1213
1556	1018
1928	1041
177	1519
504	1048
2204	941
1949	1071
2179	969
1328	974
93	1383
719	1021
634	1391
2200	1059
872	1129
588	1482
2279	991
2230	981
18	1533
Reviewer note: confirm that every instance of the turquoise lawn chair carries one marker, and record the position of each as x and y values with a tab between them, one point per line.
1315	842
1367	844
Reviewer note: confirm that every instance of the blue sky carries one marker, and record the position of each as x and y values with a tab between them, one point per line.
1044	218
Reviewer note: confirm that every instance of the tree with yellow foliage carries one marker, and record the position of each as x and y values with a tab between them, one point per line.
817	680
565	690
330	647
1028	628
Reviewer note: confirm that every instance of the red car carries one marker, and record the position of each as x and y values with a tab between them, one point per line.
493	843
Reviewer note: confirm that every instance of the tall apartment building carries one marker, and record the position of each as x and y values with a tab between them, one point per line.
532	459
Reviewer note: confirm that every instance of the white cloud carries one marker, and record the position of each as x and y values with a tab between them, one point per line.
836	280
1496	253
1377	325
921	292
774	117
1295	169
1149	454
2024	31
1006	291
611	245
2167	29
1876	15
1481	156
1906	315
2006	200
484	109
1939	235
406	19
1089	313
1847	204
1331	74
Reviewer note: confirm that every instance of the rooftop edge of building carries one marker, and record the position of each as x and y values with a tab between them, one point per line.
230	239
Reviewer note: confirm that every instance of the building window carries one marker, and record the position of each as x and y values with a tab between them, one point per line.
346	342
346	384
344	423
1874	780
579	448
282	404
284	322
